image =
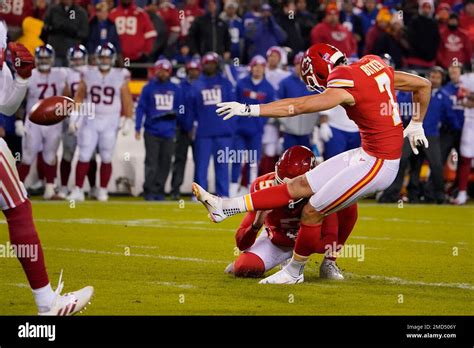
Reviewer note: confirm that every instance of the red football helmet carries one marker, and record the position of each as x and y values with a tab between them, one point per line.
295	161
318	62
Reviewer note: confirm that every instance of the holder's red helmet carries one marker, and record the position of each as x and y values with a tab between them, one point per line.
317	64
295	161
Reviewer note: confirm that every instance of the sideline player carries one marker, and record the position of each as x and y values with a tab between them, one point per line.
366	89
13	198
107	89
46	81
276	242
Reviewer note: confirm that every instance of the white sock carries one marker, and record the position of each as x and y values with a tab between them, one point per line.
295	268
43	297
233	206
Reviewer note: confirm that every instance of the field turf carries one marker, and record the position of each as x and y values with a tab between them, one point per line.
168	259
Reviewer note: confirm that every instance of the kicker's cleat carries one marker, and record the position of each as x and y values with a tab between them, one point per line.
329	270
70	303
282	277
212	203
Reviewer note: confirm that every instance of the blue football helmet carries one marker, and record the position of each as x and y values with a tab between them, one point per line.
44	57
105	55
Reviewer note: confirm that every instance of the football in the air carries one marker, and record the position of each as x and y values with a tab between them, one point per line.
52	110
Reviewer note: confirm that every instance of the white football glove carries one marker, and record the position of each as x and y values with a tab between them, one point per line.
19	128
231	109
416	135
325	132
126	125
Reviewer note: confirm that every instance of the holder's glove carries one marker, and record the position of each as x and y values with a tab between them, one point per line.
231	109
416	135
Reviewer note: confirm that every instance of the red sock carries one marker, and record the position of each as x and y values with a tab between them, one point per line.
91	174
347	218
272	197
23	170
40	165
249	265
105	174
308	240
81	171
22	232
463	172
65	170
49	172
328	241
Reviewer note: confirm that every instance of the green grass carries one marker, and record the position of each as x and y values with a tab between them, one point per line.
177	258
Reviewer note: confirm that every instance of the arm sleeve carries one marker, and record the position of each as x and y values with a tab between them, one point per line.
12	93
141	109
246	235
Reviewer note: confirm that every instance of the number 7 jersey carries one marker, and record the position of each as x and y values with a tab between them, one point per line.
371	82
103	91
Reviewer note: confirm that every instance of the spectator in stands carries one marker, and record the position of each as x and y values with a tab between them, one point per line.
213	134
102	29
191	11
381	27
65	25
454	45
265	33
236	28
159	44
136	33
393	42
442	15
30	37
306	21
332	32
171	16
253	89
466	19
353	23
159	106
467	139
185	130
286	19
13	13
298	130
209	33
368	15
423	37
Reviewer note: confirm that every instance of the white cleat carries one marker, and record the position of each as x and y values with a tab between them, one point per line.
70	303
49	192
63	192
230	268
212	203
461	198
329	270
102	195
76	195
282	277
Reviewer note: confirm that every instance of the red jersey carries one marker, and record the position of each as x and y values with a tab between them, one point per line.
282	223
170	16
15	11
371	82
135	30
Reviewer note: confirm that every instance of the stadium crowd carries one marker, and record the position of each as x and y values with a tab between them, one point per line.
206	51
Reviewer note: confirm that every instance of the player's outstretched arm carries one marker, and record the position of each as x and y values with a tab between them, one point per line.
289	107
421	89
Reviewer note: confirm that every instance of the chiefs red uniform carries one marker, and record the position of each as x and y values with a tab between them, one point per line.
282	224
135	30
371	82
15	11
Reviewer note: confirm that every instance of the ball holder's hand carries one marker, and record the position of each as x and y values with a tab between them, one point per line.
416	135
23	61
325	132
231	109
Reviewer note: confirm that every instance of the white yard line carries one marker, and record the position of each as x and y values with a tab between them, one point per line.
400	281
175	285
152	256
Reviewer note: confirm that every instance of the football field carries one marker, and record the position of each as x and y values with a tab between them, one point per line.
168	259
